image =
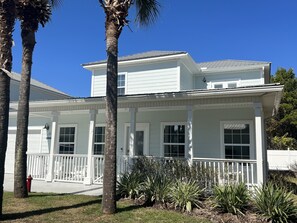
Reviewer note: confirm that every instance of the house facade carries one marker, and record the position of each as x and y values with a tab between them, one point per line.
170	107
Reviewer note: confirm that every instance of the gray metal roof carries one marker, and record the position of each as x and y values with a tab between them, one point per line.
230	63
145	55
17	77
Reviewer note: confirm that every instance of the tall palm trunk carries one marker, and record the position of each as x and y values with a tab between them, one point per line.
7	18
109	181
20	166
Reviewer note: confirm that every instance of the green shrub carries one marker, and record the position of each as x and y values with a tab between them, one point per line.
185	194
282	179
129	185
156	189
231	198
275	204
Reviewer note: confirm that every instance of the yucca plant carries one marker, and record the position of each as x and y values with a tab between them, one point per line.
129	185
185	195
231	198
275	203
156	189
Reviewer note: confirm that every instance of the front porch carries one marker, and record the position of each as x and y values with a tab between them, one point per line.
74	168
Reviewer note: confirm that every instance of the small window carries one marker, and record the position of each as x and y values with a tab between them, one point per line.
232	85
121	83
218	85
174	141
66	140
237	140
99	142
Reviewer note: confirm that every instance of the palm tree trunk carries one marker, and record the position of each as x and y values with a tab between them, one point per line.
20	165
7	18
110	164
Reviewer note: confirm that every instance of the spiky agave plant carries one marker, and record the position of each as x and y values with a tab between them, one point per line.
186	194
231	198
275	203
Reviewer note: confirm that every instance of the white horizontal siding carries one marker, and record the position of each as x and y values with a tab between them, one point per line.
152	81
186	79
98	84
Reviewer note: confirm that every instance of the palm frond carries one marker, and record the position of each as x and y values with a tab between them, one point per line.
147	11
55	3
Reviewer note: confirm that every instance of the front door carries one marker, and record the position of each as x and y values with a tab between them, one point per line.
141	139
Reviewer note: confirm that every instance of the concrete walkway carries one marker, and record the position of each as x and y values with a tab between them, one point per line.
56	187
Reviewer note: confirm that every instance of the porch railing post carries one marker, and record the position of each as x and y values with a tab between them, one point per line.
132	133
259	133
189	153
88	180
54	128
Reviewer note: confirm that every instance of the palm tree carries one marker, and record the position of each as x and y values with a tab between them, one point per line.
7	19
31	13
116	12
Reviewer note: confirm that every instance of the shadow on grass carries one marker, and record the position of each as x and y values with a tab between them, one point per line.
14	216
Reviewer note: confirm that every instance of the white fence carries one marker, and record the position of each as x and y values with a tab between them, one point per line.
281	159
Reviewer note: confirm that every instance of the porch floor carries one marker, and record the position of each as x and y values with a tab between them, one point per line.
56	187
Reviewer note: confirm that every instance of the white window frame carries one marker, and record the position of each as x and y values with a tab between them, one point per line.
126	78
98	143
139	127
224	83
252	136
163	124
75	137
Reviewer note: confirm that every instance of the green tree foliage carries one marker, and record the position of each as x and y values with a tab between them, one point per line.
282	127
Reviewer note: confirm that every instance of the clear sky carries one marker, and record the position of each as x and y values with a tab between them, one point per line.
264	30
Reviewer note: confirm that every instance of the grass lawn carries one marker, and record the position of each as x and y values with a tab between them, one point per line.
42	207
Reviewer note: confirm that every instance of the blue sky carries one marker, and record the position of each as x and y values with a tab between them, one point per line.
264	30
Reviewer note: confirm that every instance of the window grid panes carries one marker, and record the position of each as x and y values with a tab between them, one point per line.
237	141
174	141
121	84
66	140
99	141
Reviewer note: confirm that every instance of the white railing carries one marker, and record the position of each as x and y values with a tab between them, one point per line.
226	171
97	164
37	165
70	168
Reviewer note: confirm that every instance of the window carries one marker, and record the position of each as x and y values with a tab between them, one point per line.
66	140
121	83
218	86
224	84
99	142
174	140
237	140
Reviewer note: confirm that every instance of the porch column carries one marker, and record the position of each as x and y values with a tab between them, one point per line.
189	148
50	174
132	133
88	180
259	137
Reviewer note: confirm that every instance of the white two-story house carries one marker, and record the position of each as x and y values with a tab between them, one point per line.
211	114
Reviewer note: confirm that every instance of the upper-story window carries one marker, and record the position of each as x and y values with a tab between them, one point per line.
121	83
223	84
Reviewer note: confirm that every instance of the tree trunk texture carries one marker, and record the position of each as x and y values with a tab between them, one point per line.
7	18
110	163
20	165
